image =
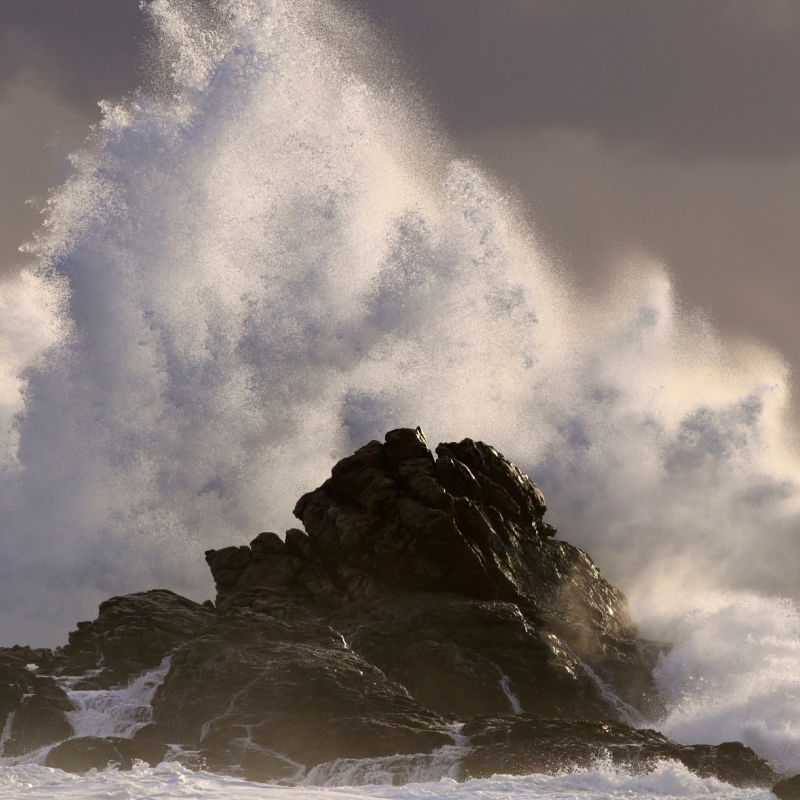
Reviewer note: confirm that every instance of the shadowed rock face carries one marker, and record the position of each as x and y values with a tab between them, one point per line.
451	557
31	706
133	633
425	596
287	687
520	746
788	788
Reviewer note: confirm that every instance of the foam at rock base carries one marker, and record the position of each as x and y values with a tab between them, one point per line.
171	781
733	675
100	712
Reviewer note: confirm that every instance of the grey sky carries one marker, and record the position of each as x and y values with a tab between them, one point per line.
667	128
694	79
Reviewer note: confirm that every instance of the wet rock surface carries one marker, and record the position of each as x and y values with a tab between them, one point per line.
131	634
426	614
520	746
397	538
83	753
32	707
262	684
788	788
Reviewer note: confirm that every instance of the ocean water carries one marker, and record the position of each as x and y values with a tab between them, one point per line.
268	256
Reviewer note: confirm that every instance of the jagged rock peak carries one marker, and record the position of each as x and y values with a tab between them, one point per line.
391	516
393	527
424	591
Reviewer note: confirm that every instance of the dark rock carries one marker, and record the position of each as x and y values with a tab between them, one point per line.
391	521
404	444
266	544
242	756
39	719
91	752
461	657
132	634
788	788
523	745
32	707
259	683
296	543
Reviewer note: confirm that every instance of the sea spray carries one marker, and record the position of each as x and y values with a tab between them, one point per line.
264	273
32	322
260	266
734	675
442	763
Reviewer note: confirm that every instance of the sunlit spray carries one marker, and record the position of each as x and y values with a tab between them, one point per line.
266	259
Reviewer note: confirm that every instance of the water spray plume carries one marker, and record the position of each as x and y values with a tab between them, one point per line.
263	262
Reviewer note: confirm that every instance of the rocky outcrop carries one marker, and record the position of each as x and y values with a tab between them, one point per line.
288	689
522	746
396	538
32	707
788	788
425	604
130	635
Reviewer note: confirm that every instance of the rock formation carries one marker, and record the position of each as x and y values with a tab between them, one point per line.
426	603
452	558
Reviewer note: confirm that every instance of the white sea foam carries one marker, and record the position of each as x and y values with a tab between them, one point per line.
668	781
270	262
443	762
97	712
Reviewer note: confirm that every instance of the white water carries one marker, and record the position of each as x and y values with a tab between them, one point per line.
513	699
625	712
275	260
400	769
171	781
98	712
251	277
4	736
115	712
734	675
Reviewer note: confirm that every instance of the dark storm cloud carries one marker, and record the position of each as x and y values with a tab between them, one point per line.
695	77
57	59
85	49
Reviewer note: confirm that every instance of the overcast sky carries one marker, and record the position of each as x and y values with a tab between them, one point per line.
667	128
